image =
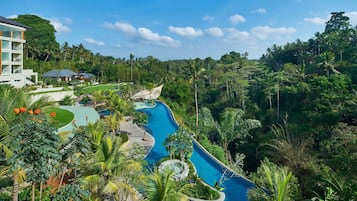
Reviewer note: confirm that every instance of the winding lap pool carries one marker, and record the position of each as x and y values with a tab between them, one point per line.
161	124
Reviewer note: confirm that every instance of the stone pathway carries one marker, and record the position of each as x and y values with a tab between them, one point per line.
137	135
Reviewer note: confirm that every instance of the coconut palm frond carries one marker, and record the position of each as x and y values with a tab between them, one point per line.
110	187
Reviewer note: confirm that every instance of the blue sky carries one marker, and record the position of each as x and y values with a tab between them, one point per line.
182	29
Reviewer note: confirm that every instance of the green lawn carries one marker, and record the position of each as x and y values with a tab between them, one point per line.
106	87
62	118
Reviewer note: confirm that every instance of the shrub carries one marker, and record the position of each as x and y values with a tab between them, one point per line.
215	150
201	191
124	137
5	197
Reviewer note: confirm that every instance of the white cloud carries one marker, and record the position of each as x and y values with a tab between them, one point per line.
59	26
67	20
321	21
143	34
264	32
235	19
12	17
215	31
236	35
148	36
122	27
208	18
94	42
186	31
315	20
260	11
353	17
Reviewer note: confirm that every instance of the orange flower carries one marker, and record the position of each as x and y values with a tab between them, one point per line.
17	110
37	111
53	114
23	109
30	111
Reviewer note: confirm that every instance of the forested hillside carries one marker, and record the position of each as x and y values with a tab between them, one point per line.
304	94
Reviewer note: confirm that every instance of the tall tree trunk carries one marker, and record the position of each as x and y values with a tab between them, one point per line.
33	191
47	55
227	152
15	189
227	87
196	102
65	56
62	178
270	101
278	103
41	191
131	71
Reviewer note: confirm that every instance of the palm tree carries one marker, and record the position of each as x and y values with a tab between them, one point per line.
233	126
273	183
113	122
194	79
19	177
131	66
161	187
110	173
328	63
97	96
337	188
65	50
96	133
116	103
279	78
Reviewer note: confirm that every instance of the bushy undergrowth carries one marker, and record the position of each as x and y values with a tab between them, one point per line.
215	150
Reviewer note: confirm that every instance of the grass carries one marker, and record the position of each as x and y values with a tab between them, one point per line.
91	89
62	118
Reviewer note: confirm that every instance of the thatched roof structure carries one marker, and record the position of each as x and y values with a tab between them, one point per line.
148	94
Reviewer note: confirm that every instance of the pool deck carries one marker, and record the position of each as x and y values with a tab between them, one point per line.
137	135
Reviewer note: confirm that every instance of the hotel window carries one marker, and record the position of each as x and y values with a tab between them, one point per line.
16	46
5	45
5	70
5	56
6	34
16	34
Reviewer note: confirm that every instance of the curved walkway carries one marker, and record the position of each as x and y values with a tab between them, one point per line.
137	135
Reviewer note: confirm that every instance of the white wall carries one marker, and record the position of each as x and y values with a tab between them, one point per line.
54	96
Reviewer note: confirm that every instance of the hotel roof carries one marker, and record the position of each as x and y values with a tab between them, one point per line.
60	73
12	22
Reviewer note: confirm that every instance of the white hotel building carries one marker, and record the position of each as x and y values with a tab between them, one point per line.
12	39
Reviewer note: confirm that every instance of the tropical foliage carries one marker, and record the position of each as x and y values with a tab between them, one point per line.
161	187
273	183
303	94
179	145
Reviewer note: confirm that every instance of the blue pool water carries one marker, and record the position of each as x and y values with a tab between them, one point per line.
104	113
161	124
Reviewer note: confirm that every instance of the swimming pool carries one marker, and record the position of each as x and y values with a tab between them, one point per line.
161	124
104	113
